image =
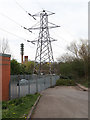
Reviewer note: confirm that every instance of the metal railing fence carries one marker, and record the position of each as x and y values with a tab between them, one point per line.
21	85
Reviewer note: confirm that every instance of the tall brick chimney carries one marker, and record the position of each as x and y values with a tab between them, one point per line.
26	58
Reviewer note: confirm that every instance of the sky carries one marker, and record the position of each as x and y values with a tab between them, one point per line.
70	15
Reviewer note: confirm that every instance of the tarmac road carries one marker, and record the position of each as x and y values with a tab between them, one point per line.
62	102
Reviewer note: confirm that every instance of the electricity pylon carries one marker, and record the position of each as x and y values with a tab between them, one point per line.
44	53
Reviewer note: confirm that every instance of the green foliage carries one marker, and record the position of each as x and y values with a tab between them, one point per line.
78	68
29	67
4	105
74	69
18	108
15	101
65	68
22	68
15	67
65	82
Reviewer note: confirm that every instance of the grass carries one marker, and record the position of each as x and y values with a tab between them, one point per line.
65	82
83	82
18	108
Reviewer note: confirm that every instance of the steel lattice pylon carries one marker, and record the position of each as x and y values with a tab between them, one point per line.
44	53
44	49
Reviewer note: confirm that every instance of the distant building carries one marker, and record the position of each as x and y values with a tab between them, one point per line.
25	59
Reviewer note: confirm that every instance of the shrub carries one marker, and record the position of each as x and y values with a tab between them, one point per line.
65	82
16	101
4	105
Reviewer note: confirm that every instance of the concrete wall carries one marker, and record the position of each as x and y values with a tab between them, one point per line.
5	75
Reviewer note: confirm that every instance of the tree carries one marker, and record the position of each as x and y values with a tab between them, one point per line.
80	51
4	46
76	60
74	49
66	58
29	67
22	68
15	67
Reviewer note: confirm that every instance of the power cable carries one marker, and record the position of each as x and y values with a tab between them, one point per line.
10	19
15	35
25	10
13	21
67	31
12	34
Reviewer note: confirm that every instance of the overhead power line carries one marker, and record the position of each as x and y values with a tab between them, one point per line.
16	35
10	19
14	21
12	34
25	11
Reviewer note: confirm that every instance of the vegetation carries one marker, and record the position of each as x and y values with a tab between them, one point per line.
18	108
4	46
65	82
17	68
74	64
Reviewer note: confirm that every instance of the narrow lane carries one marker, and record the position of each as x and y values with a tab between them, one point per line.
62	102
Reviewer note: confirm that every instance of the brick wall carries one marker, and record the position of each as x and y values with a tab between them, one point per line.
5	75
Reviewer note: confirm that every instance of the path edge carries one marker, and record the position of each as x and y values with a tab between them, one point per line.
33	107
82	87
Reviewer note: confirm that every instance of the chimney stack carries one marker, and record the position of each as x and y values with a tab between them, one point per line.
26	58
22	52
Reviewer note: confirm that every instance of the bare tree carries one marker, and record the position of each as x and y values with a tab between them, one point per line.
80	50
66	58
74	49
83	52
4	46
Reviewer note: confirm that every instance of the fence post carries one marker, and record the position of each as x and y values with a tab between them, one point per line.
44	81
18	86
37	84
28	85
50	80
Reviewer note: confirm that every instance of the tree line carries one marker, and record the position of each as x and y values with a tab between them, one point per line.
74	63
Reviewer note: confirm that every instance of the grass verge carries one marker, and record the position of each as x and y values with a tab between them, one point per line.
65	82
83	82
18	108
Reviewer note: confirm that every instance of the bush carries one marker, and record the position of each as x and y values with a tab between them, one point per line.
16	101
65	82
18	108
4	105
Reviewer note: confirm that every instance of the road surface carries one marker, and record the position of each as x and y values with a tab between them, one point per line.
62	102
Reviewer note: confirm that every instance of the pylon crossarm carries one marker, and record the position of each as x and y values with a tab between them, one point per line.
49	27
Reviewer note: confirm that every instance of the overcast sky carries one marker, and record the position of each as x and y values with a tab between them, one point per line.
71	15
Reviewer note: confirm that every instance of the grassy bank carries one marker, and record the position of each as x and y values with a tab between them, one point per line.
18	108
65	82
83	82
